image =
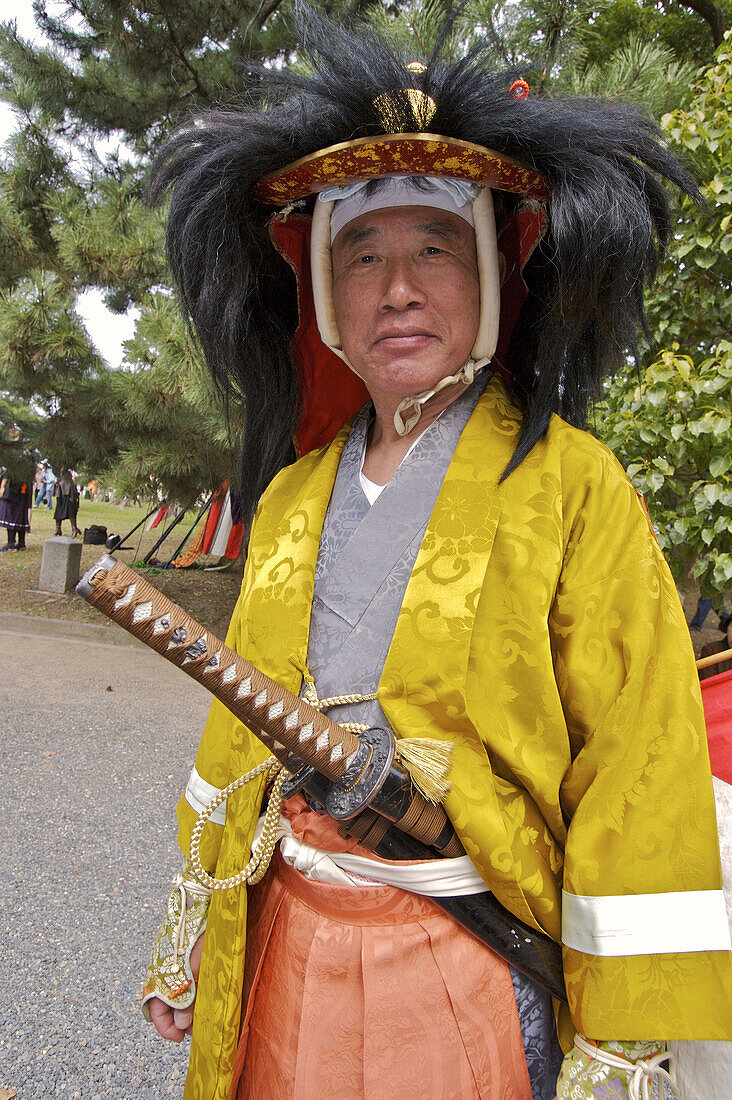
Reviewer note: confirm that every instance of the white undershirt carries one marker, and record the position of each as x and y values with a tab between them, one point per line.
371	490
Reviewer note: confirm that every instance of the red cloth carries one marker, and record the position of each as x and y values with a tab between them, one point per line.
213	517
330	393
157	518
717	699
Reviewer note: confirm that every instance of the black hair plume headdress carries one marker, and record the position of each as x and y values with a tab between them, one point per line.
608	221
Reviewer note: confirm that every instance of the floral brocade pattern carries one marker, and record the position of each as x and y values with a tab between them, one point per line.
374	994
585	1078
542	634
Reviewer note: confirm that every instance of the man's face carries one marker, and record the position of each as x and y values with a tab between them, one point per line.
407	297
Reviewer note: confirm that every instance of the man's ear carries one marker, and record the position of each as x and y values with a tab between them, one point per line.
502	266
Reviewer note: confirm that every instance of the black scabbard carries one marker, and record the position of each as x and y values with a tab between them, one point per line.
531	952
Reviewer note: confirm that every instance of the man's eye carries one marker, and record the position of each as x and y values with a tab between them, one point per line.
433	250
367	259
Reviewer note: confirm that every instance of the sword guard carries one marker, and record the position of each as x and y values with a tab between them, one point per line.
364	777
314	785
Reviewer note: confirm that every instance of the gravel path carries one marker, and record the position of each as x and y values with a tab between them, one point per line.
90	780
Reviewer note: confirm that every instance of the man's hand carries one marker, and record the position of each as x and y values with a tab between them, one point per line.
175	1024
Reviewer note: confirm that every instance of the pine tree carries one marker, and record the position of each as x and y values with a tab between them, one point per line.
93	106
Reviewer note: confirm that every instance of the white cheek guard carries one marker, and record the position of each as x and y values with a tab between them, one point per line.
483	220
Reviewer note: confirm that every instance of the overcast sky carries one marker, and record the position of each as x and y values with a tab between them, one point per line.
107	330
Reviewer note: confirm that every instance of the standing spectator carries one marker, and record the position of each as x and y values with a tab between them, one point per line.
15	503
39	487
67	502
703	608
49	479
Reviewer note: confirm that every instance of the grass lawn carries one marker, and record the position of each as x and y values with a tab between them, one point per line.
207	596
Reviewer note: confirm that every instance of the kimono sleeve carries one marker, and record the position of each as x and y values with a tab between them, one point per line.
645	935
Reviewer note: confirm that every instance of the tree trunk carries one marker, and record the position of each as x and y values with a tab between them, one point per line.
712	16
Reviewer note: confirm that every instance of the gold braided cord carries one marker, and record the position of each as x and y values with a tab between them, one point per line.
428	761
310	695
262	853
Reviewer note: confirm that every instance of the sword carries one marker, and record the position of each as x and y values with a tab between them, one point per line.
355	777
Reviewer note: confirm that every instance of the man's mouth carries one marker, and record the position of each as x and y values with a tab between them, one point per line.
405	339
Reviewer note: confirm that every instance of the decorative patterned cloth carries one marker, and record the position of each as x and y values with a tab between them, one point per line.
616	1070
372	995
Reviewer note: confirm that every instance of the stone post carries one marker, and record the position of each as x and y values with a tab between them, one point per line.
60	564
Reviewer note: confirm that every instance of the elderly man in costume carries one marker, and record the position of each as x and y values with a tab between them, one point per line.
463	263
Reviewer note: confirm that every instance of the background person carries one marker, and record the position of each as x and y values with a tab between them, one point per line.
39	488
67	502
49	480
16	486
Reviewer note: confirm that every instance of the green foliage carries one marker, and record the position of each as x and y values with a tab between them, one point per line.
673	430
109	238
671	24
44	344
672	433
19	430
640	71
691	304
164	412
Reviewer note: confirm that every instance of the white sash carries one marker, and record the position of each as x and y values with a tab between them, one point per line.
433	878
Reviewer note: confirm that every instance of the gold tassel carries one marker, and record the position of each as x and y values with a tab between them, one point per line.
428	763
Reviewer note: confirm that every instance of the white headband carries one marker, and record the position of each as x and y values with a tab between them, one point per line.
442	193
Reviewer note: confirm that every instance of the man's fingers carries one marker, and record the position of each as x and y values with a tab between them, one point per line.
183	1018
175	1024
162	1017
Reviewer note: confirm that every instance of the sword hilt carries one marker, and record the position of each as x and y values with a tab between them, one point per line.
285	723
292	730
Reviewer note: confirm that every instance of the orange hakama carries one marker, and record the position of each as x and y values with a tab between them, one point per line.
370	993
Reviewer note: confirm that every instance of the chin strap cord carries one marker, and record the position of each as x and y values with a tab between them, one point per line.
409	410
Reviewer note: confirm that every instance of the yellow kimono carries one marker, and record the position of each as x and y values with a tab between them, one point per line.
541	632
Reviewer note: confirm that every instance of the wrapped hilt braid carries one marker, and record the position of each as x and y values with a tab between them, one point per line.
285	723
293	731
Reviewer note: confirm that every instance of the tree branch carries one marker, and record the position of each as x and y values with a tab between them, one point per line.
712	16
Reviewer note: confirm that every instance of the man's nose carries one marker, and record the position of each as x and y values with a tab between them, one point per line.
403	289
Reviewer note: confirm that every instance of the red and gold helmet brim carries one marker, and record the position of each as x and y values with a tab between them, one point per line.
399	155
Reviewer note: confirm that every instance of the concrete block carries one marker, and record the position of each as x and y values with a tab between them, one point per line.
60	564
